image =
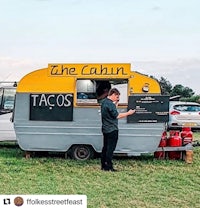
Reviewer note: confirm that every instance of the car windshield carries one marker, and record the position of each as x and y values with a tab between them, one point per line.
191	108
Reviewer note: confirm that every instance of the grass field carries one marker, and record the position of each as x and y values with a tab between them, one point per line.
140	182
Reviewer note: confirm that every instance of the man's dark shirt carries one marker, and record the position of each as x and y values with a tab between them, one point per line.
109	115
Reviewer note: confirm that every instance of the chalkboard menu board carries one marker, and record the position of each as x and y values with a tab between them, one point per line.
149	109
51	107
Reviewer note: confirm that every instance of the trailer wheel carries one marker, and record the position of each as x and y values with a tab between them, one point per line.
82	152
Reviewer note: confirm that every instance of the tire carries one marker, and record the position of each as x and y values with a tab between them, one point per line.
82	152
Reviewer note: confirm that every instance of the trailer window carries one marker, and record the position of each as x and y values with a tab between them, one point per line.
92	92
86	91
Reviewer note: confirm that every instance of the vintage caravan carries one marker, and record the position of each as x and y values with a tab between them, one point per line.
58	109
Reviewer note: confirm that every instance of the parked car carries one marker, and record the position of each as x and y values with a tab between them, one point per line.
9	104
184	114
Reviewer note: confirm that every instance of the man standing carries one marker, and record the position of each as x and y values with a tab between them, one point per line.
110	116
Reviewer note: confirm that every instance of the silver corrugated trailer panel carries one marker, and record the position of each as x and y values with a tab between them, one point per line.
134	139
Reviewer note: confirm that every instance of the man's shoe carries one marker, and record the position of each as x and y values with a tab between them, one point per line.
105	169
113	170
110	169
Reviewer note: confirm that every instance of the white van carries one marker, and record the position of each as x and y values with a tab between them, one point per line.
7	99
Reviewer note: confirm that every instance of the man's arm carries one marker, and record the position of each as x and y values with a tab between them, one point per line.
128	113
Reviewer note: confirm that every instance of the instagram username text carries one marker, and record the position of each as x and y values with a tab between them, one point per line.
54	202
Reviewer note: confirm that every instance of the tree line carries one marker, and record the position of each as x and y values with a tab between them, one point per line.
181	92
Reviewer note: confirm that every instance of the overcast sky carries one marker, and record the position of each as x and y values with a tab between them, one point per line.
158	37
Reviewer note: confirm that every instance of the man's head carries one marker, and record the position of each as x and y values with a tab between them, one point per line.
114	94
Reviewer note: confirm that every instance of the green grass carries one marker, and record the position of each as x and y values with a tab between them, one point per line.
196	136
140	182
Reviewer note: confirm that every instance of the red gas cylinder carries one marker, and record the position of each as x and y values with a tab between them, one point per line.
163	143
186	135
174	141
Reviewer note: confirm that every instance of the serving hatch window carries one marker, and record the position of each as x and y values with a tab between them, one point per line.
86	91
92	92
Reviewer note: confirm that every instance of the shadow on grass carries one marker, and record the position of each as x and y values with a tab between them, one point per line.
12	150
10	144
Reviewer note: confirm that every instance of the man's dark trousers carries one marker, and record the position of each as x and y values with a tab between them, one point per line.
109	145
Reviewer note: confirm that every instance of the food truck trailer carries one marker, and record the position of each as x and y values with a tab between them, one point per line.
58	109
